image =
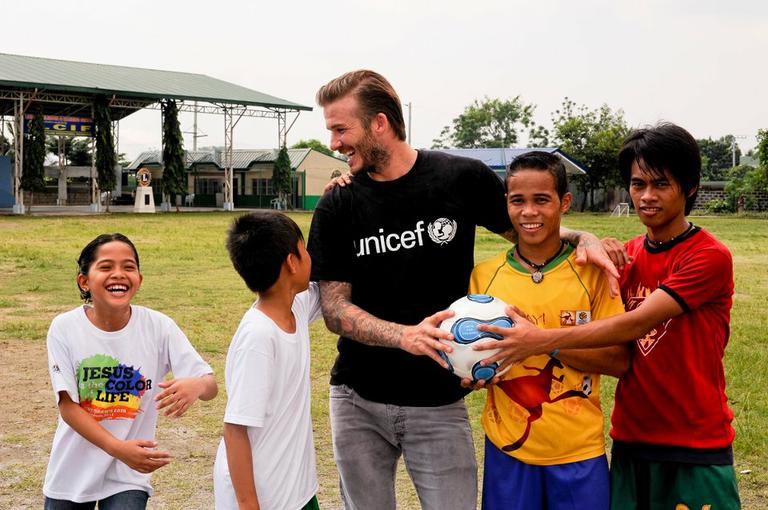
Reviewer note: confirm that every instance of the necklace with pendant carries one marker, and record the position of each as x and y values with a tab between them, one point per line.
659	244
537	276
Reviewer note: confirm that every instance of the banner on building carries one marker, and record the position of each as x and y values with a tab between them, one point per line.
63	126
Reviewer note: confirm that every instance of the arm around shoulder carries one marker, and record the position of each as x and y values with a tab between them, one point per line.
589	250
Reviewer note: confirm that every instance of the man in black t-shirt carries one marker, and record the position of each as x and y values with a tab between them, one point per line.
390	249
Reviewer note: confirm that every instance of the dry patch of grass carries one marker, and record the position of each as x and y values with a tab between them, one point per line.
189	277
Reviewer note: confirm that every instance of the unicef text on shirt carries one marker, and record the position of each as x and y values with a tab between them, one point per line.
441	231
384	243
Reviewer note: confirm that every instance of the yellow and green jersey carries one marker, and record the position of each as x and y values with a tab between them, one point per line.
544	412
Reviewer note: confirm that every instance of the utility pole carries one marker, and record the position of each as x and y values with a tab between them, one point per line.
733	148
194	128
409	105
195	133
503	152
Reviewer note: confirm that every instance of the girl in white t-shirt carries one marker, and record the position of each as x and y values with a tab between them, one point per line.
107	363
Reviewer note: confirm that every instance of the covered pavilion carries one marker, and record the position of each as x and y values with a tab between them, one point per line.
68	89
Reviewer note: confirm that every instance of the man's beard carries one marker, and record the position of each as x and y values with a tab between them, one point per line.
374	156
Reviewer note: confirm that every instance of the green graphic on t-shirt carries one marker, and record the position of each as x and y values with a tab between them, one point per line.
91	378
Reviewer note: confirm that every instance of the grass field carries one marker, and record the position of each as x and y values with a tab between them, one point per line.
188	276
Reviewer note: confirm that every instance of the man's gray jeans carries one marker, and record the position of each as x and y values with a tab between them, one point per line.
436	443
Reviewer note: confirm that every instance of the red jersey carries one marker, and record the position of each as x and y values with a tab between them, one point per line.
674	392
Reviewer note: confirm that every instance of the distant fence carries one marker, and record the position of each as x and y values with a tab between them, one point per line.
76	196
606	200
715	190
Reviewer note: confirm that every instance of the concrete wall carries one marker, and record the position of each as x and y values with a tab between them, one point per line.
76	195
319	168
715	191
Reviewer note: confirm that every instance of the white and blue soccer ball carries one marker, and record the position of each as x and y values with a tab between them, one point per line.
471	311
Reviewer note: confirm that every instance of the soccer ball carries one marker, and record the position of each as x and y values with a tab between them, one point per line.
471	311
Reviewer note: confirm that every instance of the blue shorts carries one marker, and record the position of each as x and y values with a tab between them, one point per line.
513	485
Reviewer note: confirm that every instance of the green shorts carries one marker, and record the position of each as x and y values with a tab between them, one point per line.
312	505
644	485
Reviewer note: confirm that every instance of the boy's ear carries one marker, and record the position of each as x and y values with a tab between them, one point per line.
291	263
565	202
693	190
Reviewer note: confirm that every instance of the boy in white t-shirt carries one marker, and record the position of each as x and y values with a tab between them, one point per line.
266	459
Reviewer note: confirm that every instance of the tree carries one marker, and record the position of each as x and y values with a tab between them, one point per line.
594	137
82	152
122	160
717	157
315	144
105	148
174	177
743	182
281	176
5	145
538	136
487	123
762	149
77	150
33	171
52	145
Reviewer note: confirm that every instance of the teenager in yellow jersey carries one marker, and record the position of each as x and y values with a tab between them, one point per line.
543	422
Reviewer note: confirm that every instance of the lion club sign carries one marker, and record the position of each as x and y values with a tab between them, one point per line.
145	201
143	177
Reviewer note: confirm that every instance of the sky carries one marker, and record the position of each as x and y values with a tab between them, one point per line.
698	63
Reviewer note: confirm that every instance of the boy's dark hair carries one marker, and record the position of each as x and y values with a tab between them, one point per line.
665	146
545	162
374	95
258	243
88	256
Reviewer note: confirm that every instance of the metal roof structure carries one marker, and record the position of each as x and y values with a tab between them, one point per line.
131	88
241	158
499	159
67	88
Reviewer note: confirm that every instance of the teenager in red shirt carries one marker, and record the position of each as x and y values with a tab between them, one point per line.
671	424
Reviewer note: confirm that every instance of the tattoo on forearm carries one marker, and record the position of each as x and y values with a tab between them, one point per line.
346	319
572	236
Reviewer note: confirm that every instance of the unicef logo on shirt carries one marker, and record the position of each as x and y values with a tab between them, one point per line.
442	230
